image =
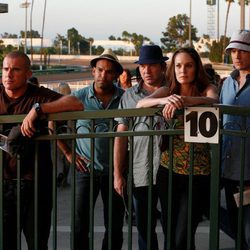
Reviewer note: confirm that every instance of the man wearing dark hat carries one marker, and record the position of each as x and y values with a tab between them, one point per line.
152	69
236	91
103	94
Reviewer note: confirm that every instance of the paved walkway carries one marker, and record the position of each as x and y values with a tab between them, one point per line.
63	235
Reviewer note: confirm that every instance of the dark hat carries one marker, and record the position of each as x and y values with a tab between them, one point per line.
239	40
109	55
151	54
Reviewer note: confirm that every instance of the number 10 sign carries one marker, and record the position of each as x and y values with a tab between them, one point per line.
201	124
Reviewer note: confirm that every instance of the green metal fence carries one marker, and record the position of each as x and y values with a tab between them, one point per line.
151	131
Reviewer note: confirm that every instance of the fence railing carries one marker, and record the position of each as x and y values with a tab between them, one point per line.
96	118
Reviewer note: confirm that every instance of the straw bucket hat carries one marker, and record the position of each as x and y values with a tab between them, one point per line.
109	55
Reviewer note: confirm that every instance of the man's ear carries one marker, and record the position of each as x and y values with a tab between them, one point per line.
29	74
93	71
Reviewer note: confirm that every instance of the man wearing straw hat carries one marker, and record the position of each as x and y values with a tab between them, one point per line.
236	91
103	94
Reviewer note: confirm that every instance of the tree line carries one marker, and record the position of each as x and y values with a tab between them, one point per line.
175	35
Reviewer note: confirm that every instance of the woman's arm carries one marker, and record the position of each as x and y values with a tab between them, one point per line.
177	102
210	96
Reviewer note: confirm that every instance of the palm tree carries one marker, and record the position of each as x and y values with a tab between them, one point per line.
226	22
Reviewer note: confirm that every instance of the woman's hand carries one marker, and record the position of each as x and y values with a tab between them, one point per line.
172	103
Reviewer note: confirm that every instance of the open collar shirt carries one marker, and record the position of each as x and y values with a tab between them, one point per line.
101	145
141	149
232	95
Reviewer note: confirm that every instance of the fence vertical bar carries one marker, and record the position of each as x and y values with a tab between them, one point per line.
150	189
239	243
130	186
91	202
73	187
111	167
18	190
54	191
1	200
214	197
170	194
36	197
190	196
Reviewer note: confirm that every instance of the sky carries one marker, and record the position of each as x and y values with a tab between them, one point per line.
99	19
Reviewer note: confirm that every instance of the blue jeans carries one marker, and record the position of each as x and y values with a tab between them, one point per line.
82	218
200	205
27	214
141	213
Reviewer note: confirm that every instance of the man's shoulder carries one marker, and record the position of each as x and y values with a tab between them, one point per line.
132	90
43	92
82	92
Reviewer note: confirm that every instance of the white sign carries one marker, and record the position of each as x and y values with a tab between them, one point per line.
201	124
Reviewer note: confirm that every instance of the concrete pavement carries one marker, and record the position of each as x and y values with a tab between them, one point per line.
63	240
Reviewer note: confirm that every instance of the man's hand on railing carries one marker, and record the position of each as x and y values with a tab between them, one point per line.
28	128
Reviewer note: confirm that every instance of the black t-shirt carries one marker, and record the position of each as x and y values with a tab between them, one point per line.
23	105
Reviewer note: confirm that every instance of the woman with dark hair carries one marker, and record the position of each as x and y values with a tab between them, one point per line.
124	80
187	85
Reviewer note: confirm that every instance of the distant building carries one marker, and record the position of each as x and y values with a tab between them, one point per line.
114	44
36	42
202	45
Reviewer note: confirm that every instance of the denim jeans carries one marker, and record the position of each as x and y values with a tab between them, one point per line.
27	214
82	218
141	213
200	205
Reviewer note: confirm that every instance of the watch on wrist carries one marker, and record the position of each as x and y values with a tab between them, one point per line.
37	108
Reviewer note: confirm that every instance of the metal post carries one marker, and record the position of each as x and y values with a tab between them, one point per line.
41	49
242	14
190	24
25	5
78	47
218	20
25	33
68	47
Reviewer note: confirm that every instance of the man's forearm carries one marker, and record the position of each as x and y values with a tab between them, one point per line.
63	104
120	154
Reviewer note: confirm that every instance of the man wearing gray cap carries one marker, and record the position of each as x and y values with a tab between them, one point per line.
152	69
236	91
101	95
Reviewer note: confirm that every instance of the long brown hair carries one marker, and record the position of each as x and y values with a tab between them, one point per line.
200	81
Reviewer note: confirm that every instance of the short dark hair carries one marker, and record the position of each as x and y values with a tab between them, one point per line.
19	54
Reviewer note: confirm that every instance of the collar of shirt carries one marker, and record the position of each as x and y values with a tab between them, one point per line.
117	94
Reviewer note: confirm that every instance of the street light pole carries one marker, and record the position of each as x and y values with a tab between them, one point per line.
242	14
25	5
190	24
41	49
90	48
78	47
218	20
